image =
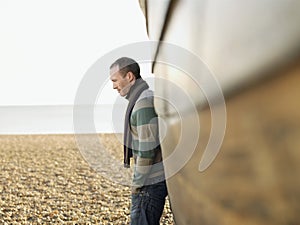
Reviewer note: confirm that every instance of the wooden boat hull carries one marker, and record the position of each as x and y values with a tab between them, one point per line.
253	50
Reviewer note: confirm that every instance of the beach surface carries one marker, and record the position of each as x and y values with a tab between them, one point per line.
45	179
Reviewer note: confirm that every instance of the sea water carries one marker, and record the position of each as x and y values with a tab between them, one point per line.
58	119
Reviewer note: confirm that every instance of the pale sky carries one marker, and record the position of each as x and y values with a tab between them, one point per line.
47	46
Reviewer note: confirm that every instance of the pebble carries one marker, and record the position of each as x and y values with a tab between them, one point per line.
44	180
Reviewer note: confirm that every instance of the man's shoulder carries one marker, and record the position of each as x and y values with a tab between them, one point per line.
146	94
144	101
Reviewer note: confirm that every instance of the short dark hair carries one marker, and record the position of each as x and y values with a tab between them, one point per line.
126	65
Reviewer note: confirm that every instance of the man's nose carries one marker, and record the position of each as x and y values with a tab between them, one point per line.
115	86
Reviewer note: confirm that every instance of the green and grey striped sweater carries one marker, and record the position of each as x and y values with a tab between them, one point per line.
145	143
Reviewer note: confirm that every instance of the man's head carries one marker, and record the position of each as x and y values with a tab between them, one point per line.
123	73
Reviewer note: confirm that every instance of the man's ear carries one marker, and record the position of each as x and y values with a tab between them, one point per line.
131	76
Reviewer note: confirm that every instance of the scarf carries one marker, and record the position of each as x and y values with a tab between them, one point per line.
134	93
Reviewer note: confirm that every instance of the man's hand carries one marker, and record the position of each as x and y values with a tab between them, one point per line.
135	189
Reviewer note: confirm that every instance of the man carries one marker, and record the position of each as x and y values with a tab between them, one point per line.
141	140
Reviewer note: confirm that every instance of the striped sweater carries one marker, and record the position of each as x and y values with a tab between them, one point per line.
145	143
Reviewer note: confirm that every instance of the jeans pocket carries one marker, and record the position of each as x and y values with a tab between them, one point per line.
139	215
135	206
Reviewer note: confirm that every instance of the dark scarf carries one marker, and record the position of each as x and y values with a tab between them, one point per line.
134	93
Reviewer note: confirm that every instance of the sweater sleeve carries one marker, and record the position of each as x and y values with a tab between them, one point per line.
145	121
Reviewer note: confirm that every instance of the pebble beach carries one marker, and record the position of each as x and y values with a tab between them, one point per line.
45	180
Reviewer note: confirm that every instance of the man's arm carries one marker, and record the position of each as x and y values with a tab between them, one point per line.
145	120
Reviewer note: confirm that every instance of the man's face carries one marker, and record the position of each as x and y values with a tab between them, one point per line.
121	82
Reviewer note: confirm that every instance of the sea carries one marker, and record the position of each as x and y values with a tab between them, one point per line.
61	119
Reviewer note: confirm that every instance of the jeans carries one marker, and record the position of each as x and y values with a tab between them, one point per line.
148	204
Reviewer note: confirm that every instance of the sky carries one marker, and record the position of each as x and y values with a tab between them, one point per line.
46	47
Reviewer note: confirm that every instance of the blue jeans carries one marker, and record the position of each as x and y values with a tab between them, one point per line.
147	205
